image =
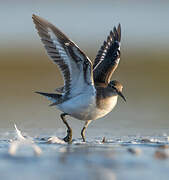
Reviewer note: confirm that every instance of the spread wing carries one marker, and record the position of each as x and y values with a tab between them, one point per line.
75	66
107	58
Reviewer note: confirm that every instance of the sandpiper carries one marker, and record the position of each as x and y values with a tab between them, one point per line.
88	93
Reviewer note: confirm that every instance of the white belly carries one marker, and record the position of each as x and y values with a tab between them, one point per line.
83	107
79	107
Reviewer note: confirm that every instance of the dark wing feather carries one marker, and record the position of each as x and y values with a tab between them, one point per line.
107	58
66	54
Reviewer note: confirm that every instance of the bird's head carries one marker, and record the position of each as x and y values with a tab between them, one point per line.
117	87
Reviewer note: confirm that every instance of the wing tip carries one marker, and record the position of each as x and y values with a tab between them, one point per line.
119	26
35	17
39	20
116	33
119	31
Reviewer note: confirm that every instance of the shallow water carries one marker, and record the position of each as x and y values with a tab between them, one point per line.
119	157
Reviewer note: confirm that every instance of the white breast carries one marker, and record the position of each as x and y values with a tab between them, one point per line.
109	105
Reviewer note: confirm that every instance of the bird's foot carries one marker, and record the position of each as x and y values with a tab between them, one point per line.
68	138
83	138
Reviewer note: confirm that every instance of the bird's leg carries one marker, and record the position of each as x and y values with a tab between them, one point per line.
68	138
84	129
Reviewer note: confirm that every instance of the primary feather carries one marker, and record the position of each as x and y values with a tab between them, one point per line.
75	66
108	57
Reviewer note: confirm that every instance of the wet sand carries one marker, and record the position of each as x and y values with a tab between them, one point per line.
119	157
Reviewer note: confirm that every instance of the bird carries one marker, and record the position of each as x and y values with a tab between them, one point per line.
88	92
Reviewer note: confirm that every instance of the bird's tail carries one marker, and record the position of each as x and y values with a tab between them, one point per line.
55	98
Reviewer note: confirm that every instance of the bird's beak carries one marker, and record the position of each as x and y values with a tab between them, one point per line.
120	94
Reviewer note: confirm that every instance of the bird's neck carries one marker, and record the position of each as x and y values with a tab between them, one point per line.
106	98
105	92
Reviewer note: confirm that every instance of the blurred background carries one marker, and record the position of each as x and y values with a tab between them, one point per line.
143	70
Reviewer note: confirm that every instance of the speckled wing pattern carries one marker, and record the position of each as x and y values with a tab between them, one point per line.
108	57
75	66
